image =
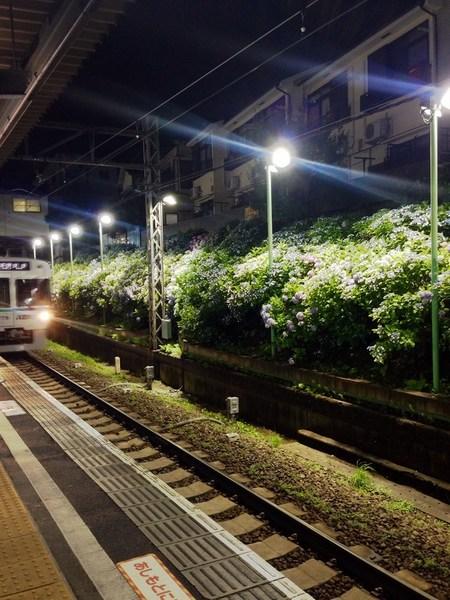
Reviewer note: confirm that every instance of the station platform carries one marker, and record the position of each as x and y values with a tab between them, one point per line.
101	526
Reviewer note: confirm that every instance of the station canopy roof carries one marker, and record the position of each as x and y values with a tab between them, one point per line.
43	44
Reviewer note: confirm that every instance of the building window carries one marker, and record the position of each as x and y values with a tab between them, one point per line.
329	103
26	205
171	218
202	155
398	68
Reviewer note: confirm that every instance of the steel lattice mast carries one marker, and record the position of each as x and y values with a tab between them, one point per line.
154	224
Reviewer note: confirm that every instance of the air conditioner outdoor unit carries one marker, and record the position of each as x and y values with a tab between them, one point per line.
378	130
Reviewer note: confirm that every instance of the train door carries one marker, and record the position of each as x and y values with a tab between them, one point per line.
6	312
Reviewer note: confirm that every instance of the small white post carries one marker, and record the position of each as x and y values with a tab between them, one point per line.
117	364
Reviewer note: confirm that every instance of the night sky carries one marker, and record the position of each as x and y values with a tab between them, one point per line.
159	46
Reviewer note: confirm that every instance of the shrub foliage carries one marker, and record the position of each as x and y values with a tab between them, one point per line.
347	294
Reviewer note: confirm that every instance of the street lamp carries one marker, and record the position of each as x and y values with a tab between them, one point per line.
169	200
54	237
37	243
166	200
74	230
103	219
430	116
280	158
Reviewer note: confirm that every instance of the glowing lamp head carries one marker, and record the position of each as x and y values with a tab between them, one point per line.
55	236
105	219
44	316
169	200
445	101
37	243
75	230
281	157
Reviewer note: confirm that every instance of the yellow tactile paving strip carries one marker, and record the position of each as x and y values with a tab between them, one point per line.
27	569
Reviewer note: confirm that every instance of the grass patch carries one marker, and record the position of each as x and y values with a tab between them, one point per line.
361	479
172	350
399	506
93	364
306	497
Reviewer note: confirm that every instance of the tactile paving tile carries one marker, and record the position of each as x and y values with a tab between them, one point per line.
173	530
24	564
144	514
108	471
223	577
276	590
55	591
89	459
131	497
130	481
202	550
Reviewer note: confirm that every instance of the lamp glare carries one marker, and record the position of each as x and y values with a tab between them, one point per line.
445	102
281	158
55	236
169	200
75	229
106	218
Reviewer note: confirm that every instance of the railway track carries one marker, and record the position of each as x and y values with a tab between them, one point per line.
273	530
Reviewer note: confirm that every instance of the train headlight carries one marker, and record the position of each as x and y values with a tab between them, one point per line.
45	316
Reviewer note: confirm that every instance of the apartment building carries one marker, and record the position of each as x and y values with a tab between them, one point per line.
364	108
22	218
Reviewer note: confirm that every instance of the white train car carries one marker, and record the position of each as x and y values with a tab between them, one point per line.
25	301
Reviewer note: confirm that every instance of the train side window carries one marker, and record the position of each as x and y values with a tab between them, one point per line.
32	292
5	301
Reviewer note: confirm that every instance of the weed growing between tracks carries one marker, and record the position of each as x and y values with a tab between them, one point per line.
354	505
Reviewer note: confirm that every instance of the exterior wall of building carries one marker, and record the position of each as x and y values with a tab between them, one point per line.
368	128
22	224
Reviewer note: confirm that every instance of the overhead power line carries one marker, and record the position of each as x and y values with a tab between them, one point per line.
193	83
226	86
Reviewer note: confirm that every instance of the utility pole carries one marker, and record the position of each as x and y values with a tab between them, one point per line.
154	224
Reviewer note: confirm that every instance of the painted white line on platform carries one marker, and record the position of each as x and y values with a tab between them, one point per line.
96	563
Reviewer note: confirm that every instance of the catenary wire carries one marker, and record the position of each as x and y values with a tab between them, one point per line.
213	94
191	84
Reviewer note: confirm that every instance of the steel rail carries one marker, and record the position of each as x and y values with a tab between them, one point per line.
364	571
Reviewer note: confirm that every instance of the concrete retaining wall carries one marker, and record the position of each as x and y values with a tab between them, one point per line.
132	358
421	447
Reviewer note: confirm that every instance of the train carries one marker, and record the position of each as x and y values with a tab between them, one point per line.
25	303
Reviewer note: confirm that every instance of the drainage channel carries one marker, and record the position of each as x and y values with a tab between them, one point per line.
315	561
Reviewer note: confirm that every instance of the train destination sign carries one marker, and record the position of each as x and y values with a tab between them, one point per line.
16	265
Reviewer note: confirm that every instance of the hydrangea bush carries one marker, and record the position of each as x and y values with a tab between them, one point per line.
344	293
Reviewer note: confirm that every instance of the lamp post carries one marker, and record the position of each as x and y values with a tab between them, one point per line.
166	200
37	243
280	158
74	230
430	116
53	237
103	219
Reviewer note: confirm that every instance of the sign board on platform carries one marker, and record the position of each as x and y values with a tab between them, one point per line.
152	580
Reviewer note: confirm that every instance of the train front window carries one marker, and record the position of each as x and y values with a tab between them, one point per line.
32	292
4	293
